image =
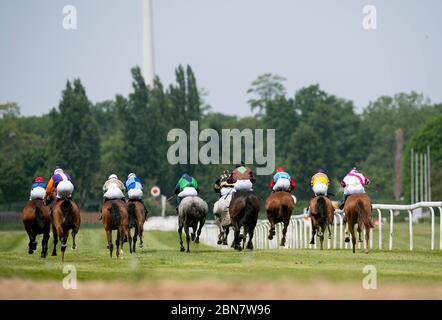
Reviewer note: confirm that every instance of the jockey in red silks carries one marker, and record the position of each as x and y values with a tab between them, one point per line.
282	181
353	183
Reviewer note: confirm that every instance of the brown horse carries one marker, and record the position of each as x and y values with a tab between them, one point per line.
65	217
279	207
35	216
244	210
358	210
137	217
116	217
322	216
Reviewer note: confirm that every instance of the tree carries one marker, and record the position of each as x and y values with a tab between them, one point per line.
266	88
429	134
74	137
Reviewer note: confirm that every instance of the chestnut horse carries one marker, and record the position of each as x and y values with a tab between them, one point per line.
358	211
322	216
35	216
137	217
192	213
244	210
279	207
116	217
65	217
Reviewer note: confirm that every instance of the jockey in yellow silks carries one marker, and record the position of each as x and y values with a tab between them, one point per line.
320	183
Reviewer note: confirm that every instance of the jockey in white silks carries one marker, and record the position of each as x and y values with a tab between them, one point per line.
134	187
353	183
113	188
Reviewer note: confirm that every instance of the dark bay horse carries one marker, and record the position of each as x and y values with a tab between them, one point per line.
322	216
35	216
65	217
244	210
137	217
358	211
116	217
279	207
191	212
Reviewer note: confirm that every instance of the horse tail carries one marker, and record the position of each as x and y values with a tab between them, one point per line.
320	209
283	209
132	212
39	217
66	208
115	214
362	216
248	210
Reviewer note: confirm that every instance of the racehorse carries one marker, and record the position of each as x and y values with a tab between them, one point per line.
222	217
65	216
191	211
358	210
115	217
35	216
279	207
137	217
244	210
322	215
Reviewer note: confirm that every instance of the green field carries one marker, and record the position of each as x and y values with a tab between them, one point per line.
161	260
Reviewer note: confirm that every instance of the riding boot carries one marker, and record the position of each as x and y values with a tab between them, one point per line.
342	203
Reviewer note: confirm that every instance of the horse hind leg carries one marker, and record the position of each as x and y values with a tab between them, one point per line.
367	238
74	242
329	231
130	240
312	241
321	237
140	234
180	234
44	244
272	229
250	243
226	234
134	239
64	241
284	232
186	230
200	228
54	250
110	245
31	246
353	237
359	233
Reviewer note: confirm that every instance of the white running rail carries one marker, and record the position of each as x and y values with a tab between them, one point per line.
299	230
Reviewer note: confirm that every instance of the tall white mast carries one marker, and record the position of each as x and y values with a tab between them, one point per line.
148	51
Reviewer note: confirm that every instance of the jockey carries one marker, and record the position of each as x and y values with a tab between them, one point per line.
320	183
185	187
282	181
221	185
62	182
353	183
113	189
38	190
134	187
242	177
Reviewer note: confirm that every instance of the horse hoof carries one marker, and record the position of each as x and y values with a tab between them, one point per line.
197	240
192	236
74	248
312	242
347	240
250	246
182	249
140	245
224	243
219	242
43	255
270	237
54	254
31	251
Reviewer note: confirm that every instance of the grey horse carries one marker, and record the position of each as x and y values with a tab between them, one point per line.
191	210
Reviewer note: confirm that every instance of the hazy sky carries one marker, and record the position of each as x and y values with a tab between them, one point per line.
227	42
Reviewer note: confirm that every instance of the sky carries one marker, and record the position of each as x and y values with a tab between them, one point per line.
228	43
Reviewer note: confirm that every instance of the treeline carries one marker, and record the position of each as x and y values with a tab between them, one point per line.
314	129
